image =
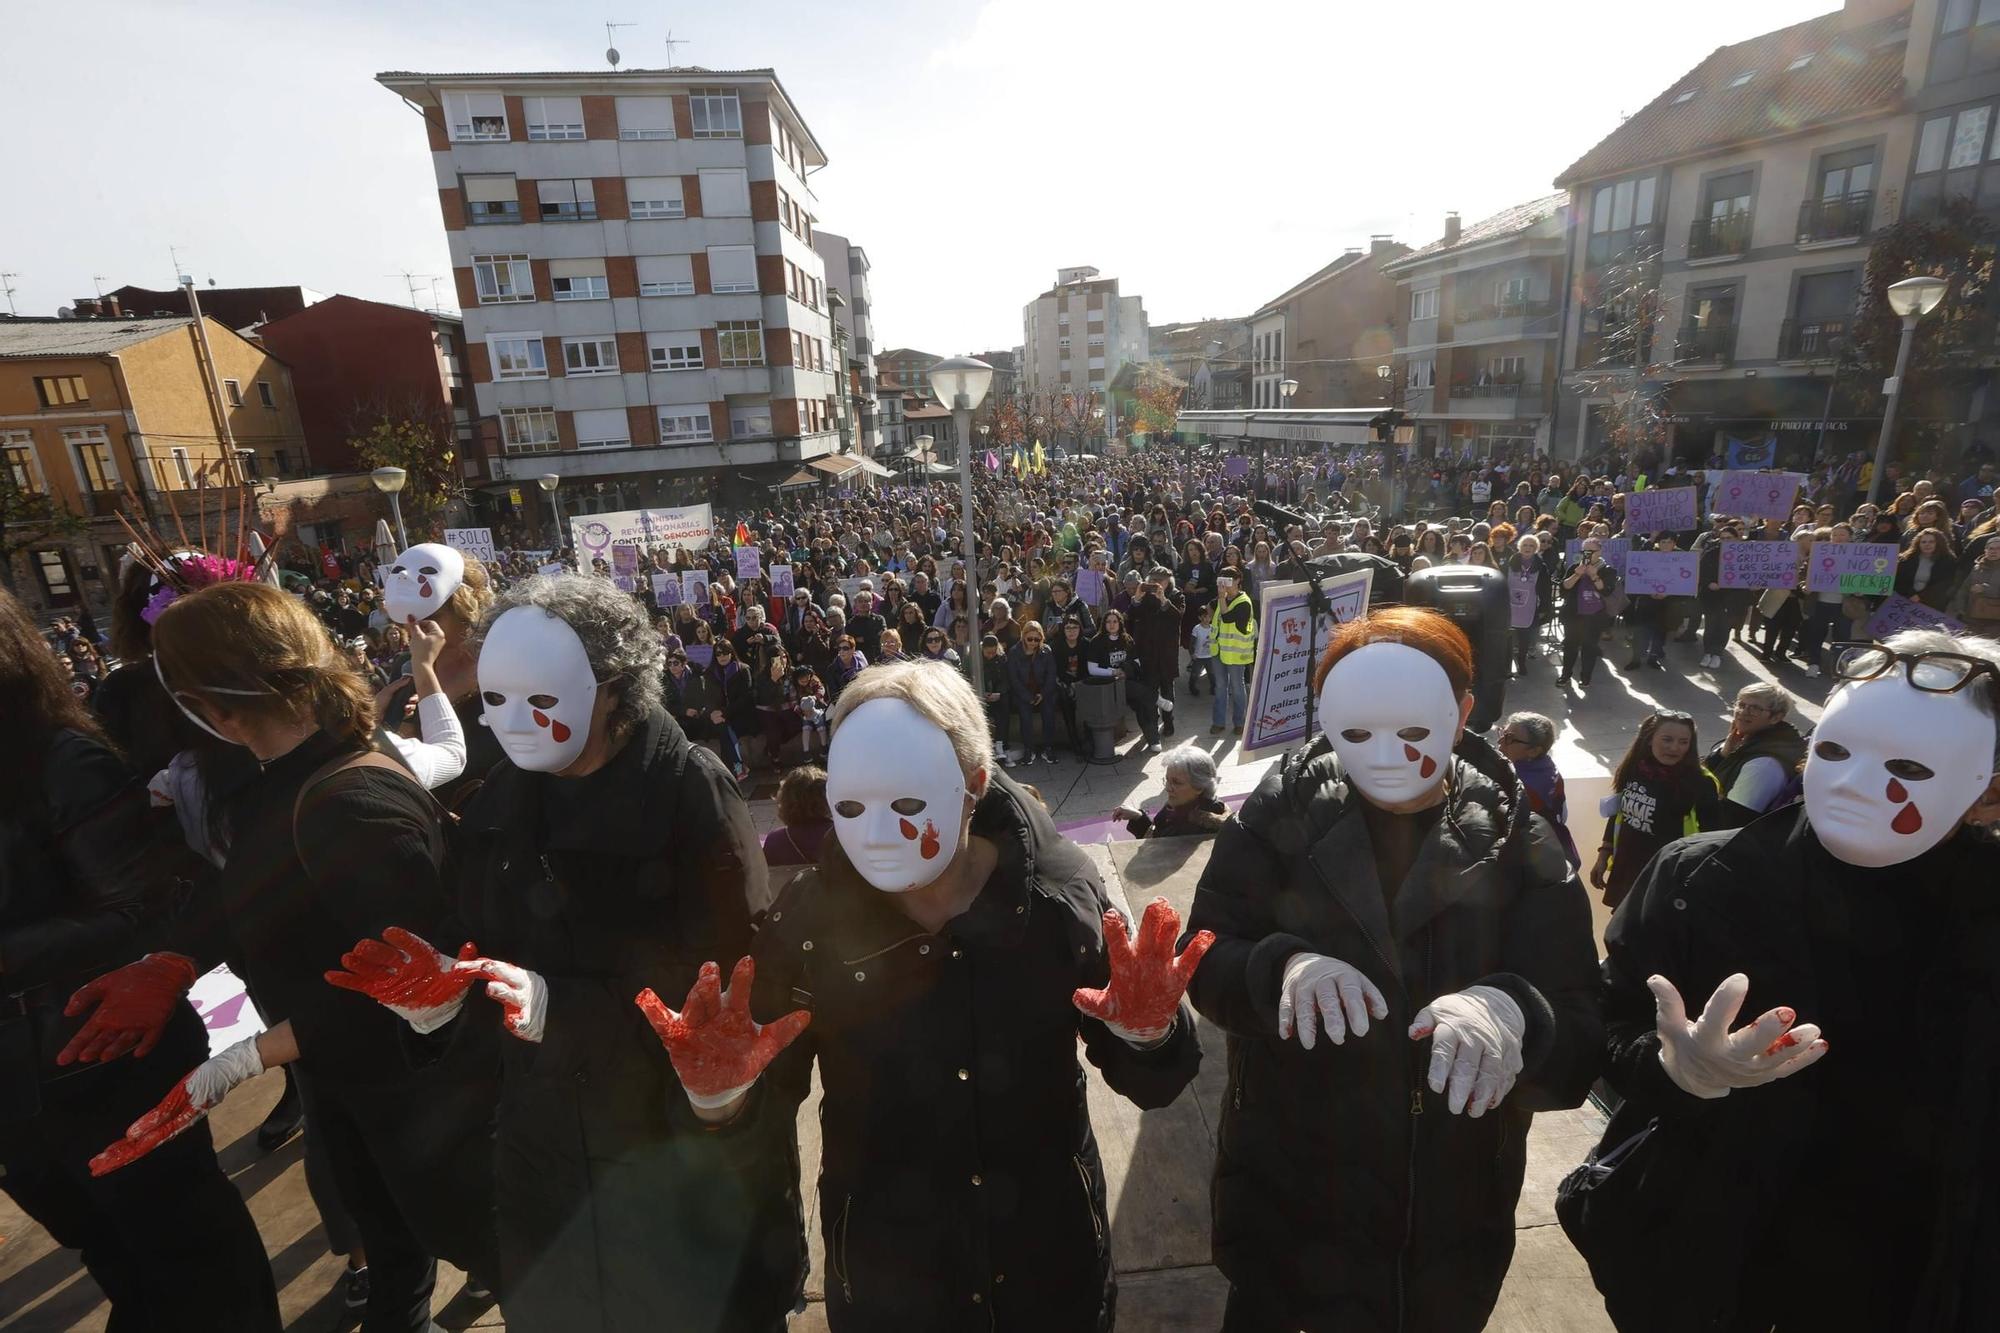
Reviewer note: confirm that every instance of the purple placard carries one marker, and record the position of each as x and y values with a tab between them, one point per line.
1831	561
1090	587
1615	550
1760	565
700	655
694	588
1900	613
1671	573
1662	509
1236	467
1755	495
781	581
666	590
749	562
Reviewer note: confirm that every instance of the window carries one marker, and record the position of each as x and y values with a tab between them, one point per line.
1063	342
553	117
655	197
1953	160
1800	63
1743	78
602	428
578	280
17	462
1727	196
645	118
567	200
1097	363
1095	316
518	356
740	342
685	425
502	278
750	418
1621	222
247	466
232	391
490	200
590	356
476	117
527	430
717	114
674	351
1096	340
1821	311
1506	369
666	275
1685	95
182	469
1423	374
264	394
1062	318
725	193
732	268
1424	304
1510	292
90	448
1968	40
61	390
1851	172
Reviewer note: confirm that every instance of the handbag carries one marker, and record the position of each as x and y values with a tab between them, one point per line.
1616	602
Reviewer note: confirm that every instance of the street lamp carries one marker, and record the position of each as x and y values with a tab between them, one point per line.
549	481
1286	388
1912	298
389	481
961	383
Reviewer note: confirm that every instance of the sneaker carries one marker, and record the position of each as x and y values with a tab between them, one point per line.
1816	672
1215	731
354	1287
1167	725
1048	756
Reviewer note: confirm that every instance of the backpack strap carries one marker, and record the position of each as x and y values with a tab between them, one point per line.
347	763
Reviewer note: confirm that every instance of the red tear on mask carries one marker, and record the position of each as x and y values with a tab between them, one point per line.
541	718
423	587
559	731
1897	792
1908	820
1410	752
909	829
1428	767
929	846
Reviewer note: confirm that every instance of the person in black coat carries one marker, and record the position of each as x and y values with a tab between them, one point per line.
169	1239
1114	655
1367	1178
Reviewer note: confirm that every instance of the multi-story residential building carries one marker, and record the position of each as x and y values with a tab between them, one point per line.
645	313
906	369
1006	363
1079	334
1330	333
109	415
889	418
1477	330
854	337
1719	237
1210	356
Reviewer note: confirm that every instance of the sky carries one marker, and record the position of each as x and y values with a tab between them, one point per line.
1207	155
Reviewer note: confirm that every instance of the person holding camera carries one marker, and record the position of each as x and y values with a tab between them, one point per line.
1589	587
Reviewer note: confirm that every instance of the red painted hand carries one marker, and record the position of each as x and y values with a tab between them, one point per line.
404	972
176	1111
133	1005
1147	980
717	1048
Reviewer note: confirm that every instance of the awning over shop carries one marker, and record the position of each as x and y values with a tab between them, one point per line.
835	465
803	477
873	468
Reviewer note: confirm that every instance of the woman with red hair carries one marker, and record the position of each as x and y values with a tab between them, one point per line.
1404	967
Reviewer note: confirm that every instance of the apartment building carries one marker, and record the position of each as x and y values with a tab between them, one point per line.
645	311
860	415
1079	334
1477	331
1331	333
1211	356
108	415
1746	195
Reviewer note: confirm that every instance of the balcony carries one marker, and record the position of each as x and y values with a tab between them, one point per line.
1507	310
1508	387
1844	218
1709	344
1634	245
1812	339
1716	238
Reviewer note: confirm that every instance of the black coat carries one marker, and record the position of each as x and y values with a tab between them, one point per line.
1345	1191
1725	1185
617	1209
960	1186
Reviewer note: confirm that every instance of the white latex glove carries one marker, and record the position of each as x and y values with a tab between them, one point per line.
1475	1047
1705	1059
213	1079
521	993
1324	991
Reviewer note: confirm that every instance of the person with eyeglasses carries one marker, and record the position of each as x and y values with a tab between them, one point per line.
1773	985
1031	679
1756	764
1659	792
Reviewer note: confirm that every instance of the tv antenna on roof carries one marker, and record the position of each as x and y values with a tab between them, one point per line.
611	41
7	286
410	281
672	42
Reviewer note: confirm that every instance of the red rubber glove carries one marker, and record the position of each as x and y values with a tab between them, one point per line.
133	1005
404	973
1147	981
717	1048
200	1090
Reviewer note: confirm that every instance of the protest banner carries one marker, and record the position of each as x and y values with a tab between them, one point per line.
1612	550
781	581
849	587
700	655
1666	573
552	567
471	541
666	590
1755	494
1759	565
1900	613
694	588
689	526
1858	568
1288	643
1090	587
1236	467
749	562
1661	509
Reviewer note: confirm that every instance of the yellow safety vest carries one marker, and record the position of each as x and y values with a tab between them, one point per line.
1234	647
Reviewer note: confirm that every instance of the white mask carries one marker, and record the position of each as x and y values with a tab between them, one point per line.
1391	715
420	581
1893	769
897	795
538	688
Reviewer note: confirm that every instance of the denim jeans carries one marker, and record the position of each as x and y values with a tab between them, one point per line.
1231	687
1198	667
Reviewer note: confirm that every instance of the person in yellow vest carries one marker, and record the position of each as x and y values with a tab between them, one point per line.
1235	649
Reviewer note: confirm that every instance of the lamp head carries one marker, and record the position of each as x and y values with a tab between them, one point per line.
388	480
1916	296
961	375
548	481
1288	387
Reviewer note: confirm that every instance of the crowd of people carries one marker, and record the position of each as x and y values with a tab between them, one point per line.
491	879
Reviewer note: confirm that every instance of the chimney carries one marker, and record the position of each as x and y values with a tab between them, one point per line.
1451	229
1859	13
1351	250
87	307
1380	246
112	310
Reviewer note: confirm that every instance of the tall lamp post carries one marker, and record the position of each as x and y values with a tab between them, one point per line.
927	454
390	480
962	382
549	481
1912	298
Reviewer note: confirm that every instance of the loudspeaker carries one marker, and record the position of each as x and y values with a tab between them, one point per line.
1475	598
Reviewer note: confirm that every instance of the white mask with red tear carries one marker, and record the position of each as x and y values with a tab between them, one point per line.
897	795
1893	769
538	687
1391	715
420	581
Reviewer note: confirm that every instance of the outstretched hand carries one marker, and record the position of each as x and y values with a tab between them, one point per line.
132	1006
1147	979
404	973
200	1090
718	1050
1705	1059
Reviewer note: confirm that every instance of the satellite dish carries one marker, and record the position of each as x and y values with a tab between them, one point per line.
611	54
65	312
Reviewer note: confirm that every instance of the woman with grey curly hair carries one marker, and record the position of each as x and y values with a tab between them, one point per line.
609	855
